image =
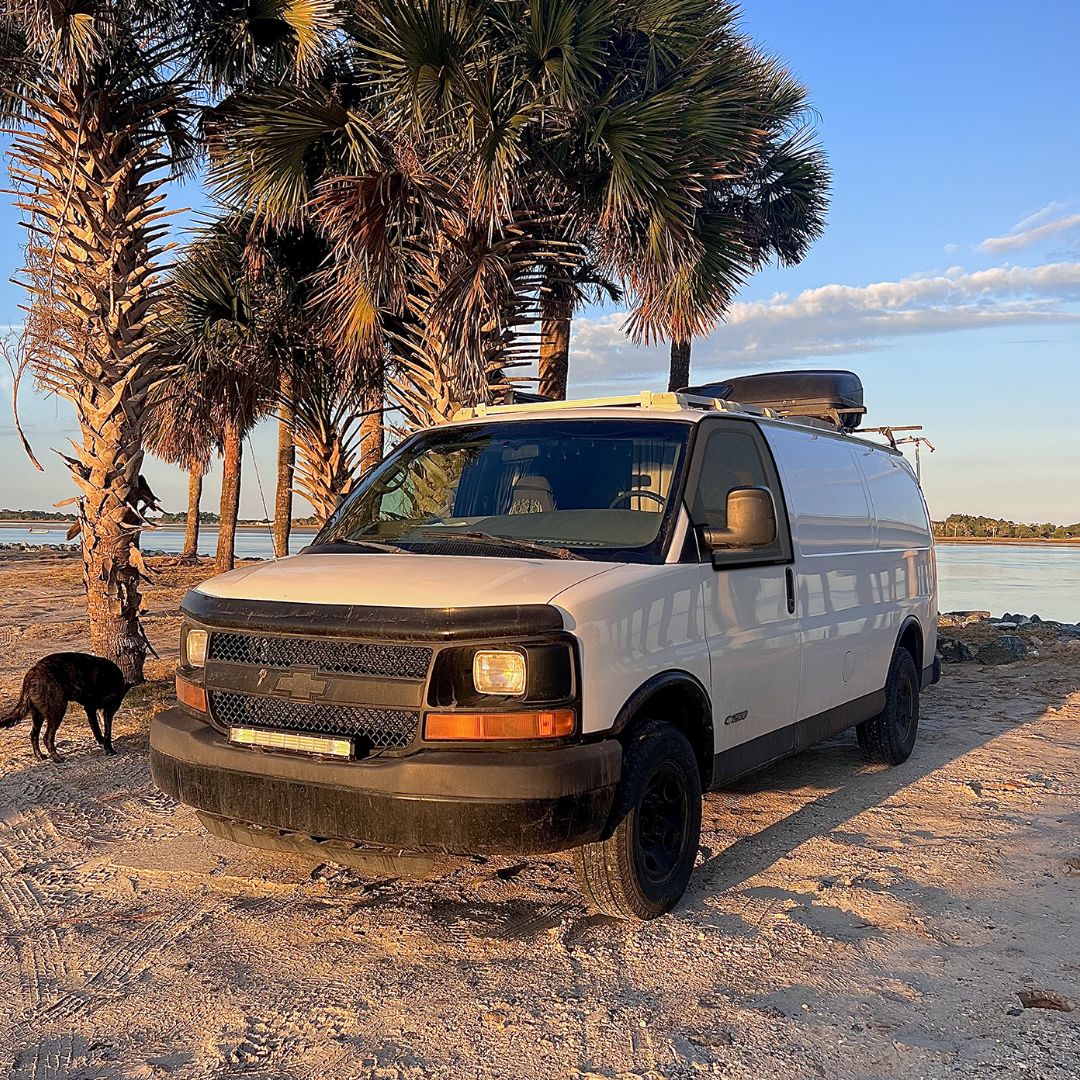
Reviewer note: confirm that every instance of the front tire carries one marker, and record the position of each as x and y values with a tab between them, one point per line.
642	869
890	736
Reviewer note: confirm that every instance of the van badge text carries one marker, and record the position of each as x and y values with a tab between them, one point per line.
736	717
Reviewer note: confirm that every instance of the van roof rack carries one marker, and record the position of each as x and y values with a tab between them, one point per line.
646	399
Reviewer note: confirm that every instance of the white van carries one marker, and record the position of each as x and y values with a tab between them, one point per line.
553	626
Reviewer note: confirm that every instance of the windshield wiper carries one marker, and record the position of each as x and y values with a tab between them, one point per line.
547	550
371	545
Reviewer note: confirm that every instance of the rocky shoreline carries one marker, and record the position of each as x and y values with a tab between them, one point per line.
966	637
22	547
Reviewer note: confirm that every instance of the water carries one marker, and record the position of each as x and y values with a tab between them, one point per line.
1022	579
252	542
1019	578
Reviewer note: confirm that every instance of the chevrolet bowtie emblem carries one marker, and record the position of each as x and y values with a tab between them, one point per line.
301	684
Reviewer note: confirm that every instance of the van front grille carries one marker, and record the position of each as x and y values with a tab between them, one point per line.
376	729
337	657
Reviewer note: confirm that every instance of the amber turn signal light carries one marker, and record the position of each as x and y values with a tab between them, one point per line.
191	695
551	724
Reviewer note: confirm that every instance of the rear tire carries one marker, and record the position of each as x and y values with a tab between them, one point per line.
642	869
890	736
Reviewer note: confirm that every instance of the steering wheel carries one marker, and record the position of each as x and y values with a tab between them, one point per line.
637	493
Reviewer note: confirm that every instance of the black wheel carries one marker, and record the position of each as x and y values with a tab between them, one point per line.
641	870
889	737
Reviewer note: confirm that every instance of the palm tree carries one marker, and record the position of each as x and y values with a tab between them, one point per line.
687	162
286	467
434	272
492	152
179	428
101	97
211	337
280	264
101	123
772	209
329	409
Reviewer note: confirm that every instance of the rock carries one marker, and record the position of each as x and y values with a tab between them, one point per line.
1035	618
1006	649
962	618
1046	999
954	651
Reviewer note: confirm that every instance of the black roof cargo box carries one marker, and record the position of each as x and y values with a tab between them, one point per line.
835	396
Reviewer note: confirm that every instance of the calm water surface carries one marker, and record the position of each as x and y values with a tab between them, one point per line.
992	577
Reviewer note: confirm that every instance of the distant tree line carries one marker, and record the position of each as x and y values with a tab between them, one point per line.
205	518
976	525
34	515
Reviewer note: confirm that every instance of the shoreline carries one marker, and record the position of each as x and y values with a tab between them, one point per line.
12	523
1009	541
984	541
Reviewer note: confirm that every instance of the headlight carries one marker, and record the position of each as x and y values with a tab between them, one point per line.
193	648
499	672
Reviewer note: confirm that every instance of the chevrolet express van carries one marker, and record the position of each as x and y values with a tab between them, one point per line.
555	625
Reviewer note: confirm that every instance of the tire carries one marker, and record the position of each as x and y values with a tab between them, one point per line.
642	869
890	736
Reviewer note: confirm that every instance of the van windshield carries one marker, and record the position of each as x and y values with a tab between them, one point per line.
596	489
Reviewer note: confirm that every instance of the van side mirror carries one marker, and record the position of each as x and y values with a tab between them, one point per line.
751	521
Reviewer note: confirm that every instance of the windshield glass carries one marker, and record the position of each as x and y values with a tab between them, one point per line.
597	489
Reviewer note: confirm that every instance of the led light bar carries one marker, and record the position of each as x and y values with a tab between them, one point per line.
287	740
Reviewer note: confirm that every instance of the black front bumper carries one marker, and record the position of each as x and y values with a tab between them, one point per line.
453	801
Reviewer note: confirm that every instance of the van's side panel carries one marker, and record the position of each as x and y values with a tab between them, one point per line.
633	623
904	537
844	598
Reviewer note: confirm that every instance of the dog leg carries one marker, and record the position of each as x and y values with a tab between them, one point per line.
35	732
108	713
52	725
91	715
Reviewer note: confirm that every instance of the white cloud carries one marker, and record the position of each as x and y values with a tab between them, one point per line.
1030	231
1041	215
836	319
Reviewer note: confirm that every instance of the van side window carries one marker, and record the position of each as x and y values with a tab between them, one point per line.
734	455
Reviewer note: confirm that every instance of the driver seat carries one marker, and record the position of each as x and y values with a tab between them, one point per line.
532	495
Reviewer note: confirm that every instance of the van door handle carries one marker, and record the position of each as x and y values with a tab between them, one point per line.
789	577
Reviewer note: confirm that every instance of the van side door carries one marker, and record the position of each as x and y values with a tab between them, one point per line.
751	625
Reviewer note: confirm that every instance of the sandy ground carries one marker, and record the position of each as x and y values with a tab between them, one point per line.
844	921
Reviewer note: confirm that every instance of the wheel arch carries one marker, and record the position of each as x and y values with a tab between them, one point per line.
912	638
680	699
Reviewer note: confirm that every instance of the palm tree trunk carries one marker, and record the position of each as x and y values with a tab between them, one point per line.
556	312
371	431
286	464
680	365
232	459
194	498
110	549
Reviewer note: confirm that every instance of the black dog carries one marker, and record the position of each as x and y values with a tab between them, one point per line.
68	676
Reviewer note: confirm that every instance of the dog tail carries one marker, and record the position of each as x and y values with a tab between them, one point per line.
22	707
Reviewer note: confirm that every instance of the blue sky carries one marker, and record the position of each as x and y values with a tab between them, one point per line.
949	276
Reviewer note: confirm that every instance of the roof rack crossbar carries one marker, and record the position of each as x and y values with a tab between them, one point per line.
646	399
